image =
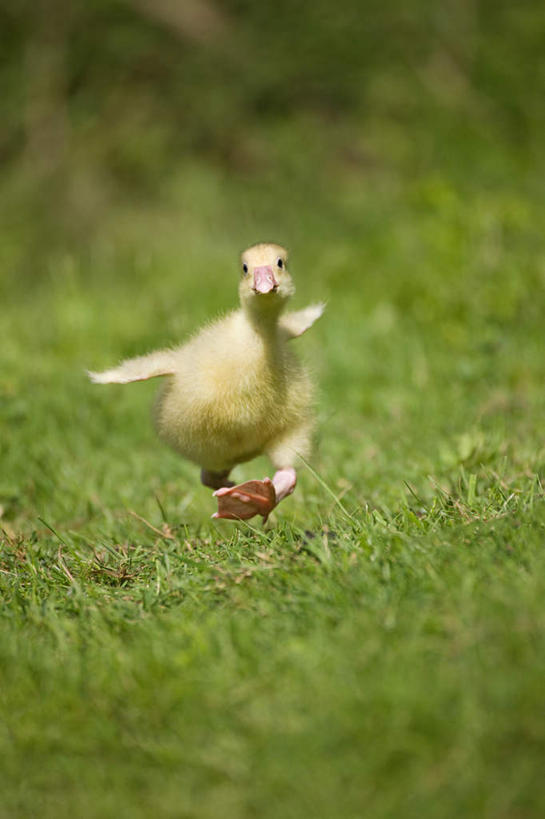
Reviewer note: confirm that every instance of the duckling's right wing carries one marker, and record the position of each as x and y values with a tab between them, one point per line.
295	324
161	362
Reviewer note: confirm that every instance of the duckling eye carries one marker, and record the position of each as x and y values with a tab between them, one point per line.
245	267
280	263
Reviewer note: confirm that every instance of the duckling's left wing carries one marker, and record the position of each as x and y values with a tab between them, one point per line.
295	324
161	362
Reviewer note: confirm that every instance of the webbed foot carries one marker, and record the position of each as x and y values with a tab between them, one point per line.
245	500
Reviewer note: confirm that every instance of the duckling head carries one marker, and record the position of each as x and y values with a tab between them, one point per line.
265	284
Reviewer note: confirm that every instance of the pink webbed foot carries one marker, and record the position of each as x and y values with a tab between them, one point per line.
245	500
251	498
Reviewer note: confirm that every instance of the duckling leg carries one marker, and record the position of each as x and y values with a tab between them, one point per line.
216	480
260	497
284	482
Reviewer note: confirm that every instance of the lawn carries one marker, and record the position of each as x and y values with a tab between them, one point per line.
378	649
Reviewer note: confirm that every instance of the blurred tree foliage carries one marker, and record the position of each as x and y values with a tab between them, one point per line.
102	98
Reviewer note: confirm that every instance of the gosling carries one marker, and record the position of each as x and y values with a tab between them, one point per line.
236	390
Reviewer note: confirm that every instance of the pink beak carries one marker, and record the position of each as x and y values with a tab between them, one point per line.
264	281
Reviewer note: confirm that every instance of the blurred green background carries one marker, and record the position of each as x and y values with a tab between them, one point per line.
230	117
379	650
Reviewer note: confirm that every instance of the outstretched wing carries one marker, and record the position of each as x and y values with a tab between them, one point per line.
295	324
161	362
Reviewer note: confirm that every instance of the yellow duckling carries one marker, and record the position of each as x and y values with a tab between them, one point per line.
236	390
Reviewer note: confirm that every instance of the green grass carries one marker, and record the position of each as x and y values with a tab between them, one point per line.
379	649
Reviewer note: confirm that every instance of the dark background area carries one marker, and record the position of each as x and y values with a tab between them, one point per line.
106	103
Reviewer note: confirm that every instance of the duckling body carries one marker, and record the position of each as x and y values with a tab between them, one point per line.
236	390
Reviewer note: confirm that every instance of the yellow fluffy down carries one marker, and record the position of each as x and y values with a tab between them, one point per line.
236	390
236	393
